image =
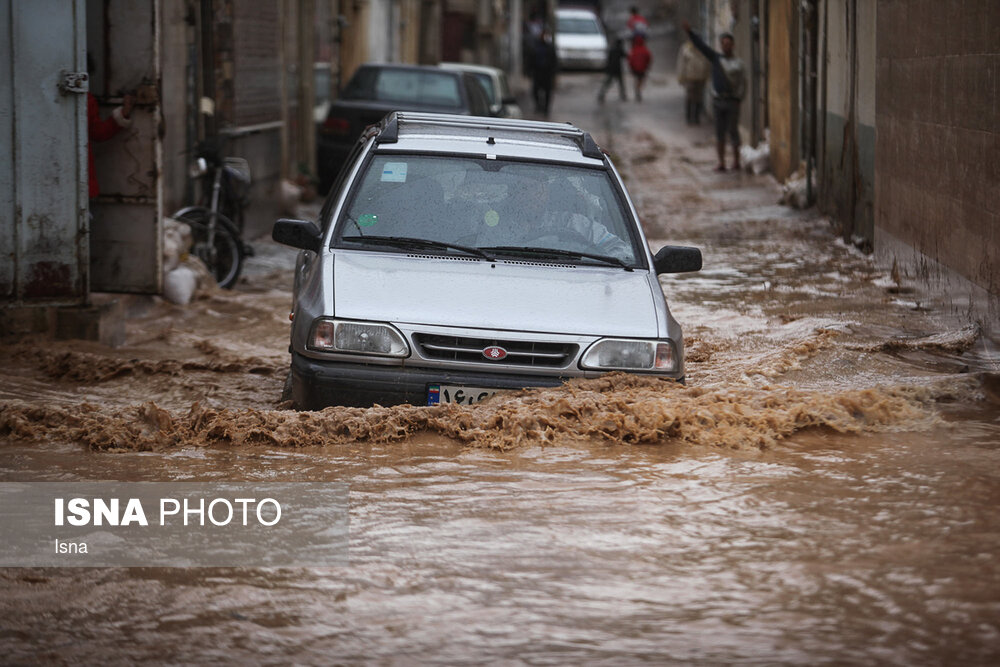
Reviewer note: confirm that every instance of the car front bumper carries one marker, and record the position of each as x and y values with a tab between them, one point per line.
318	384
582	60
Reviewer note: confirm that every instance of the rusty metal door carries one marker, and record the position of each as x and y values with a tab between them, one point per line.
43	171
126	229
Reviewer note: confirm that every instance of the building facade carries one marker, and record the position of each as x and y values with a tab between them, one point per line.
891	109
252	73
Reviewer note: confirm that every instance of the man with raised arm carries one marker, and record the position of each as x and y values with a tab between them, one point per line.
728	88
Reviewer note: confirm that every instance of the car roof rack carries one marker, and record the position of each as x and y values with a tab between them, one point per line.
391	124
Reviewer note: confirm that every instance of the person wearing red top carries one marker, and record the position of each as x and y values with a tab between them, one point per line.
636	24
99	129
639	59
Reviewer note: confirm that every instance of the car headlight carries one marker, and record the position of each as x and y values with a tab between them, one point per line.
357	338
631	355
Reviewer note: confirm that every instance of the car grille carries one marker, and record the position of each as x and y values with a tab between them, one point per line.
519	352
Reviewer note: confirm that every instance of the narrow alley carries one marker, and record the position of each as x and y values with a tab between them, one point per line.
822	490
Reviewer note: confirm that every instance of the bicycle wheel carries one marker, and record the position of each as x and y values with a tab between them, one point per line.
228	260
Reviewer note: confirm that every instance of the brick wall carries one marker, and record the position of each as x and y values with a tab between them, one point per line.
937	156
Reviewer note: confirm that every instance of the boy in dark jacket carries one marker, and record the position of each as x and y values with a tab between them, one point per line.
543	72
613	70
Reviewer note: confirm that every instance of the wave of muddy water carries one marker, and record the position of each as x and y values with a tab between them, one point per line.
822	491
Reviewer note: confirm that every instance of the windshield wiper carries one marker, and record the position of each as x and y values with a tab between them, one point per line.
556	252
356	225
409	242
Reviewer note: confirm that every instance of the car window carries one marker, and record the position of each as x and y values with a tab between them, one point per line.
479	101
486	81
414	86
326	213
504	88
575	25
489	204
362	85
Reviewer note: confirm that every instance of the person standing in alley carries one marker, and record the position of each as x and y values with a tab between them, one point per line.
728	88
543	72
613	70
637	24
639	59
532	34
692	73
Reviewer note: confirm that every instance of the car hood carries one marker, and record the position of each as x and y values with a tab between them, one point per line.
494	295
581	42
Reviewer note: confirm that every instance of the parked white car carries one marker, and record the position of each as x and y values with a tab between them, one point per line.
580	40
494	82
461	256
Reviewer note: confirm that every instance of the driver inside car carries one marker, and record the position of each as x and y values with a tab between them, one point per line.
548	218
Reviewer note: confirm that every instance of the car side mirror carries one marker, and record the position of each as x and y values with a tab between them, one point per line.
302	234
677	259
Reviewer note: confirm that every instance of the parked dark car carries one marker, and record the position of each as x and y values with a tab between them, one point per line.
377	89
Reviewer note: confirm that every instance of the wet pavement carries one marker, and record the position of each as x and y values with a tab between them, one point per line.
822	491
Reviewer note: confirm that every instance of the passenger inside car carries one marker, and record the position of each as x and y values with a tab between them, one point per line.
489	203
552	212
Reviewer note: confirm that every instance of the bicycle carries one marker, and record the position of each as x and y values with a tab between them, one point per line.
217	237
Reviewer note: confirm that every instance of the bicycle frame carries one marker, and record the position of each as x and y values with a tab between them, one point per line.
214	232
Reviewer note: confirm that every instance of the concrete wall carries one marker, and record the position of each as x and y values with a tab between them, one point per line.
176	36
406	31
743	33
353	39
252	100
783	86
381	41
177	51
691	11
846	151
409	28
937	180
43	169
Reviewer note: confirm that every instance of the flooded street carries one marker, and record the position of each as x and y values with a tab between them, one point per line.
822	491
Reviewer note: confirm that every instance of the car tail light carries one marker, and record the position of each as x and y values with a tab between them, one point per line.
336	125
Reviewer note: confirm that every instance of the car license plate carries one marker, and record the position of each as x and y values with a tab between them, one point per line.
448	393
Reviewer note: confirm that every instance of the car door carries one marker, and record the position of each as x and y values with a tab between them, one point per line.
305	258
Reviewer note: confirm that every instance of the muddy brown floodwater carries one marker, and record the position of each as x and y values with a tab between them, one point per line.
823	491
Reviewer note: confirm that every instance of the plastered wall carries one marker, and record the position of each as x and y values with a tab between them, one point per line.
847	109
937	181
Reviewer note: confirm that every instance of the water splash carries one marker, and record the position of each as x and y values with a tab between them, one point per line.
617	408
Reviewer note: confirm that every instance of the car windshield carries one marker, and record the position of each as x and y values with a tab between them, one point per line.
404	86
502	208
575	25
